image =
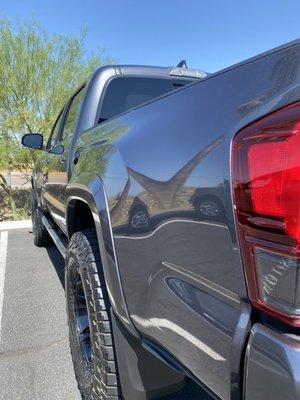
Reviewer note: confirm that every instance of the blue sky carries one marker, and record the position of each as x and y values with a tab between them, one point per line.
209	34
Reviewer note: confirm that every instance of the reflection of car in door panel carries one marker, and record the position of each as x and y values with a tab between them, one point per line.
138	217
209	203
180	229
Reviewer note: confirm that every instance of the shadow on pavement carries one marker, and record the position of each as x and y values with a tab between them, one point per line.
58	263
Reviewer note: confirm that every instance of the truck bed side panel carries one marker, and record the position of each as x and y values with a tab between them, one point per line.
179	262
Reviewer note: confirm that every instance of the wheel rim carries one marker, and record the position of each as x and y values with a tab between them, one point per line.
209	208
82	322
139	220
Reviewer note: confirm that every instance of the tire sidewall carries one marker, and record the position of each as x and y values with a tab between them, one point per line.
73	267
102	381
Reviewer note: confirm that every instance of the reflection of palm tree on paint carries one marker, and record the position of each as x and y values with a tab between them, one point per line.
166	193
120	201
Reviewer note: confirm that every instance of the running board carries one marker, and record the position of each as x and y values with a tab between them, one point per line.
54	235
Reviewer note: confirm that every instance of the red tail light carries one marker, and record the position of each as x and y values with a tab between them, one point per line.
266	184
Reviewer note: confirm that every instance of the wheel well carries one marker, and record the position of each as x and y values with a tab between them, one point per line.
80	217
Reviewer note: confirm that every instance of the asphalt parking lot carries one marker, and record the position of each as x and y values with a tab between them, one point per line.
35	361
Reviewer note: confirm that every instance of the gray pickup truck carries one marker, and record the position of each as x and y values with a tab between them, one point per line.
174	196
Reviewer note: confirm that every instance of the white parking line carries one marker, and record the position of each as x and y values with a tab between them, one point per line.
3	256
7	225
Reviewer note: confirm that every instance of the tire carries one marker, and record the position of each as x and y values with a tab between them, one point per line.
90	327
210	208
40	235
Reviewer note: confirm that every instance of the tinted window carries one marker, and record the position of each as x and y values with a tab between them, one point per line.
53	139
122	94
72	114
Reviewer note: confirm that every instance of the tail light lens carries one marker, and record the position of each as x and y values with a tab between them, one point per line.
266	184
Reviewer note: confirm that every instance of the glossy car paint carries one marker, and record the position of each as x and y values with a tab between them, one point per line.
182	277
58	187
272	365
51	175
93	194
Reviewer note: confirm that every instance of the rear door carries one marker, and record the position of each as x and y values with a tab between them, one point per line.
44	162
57	178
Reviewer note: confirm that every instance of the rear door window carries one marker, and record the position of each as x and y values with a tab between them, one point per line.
72	115
54	136
123	94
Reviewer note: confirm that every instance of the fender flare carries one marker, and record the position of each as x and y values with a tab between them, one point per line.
92	192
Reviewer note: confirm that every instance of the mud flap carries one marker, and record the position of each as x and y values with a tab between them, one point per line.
142	375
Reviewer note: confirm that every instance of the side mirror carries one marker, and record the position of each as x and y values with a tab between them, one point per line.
33	141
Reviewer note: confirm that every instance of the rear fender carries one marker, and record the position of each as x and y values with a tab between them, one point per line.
92	192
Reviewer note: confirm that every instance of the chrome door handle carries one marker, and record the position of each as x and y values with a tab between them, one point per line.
62	159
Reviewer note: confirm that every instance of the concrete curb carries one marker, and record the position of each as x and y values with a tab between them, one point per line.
9	225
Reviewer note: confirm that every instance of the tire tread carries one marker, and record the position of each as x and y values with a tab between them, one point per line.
105	380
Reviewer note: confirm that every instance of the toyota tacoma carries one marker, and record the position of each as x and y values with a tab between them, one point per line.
174	197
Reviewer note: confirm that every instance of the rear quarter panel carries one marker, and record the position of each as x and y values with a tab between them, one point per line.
181	273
